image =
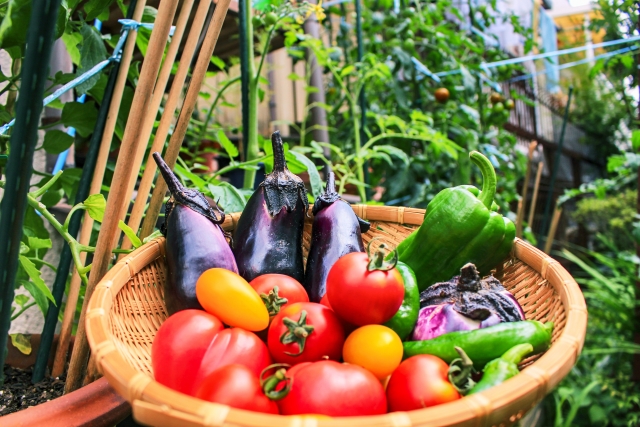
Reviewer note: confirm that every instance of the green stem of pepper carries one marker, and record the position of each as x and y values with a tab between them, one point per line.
270	384
489	179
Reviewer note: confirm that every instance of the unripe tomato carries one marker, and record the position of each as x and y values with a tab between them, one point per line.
420	382
408	44
495	97
278	291
510	104
376	348
361	295
179	346
442	94
498	107
257	21
305	332
228	296
270	19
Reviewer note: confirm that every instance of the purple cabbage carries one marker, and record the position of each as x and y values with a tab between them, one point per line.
464	303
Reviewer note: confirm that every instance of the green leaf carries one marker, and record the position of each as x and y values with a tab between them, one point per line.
312	170
14	26
80	116
21	300
24	249
95	205
347	70
69	182
22	342
57	141
218	62
228	146
38	296
92	51
71	42
227	196
37	243
94	8
393	151
152	236
36	287
131	235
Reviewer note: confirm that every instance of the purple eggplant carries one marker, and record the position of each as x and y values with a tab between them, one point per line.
195	241
268	237
464	303
336	231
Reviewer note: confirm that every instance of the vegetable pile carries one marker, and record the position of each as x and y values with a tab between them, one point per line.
359	332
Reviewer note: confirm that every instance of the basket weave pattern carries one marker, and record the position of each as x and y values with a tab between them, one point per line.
127	309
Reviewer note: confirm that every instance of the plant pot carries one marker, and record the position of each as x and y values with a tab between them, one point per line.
94	405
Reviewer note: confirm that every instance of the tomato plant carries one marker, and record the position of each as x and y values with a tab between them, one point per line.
278	291
376	348
179	346
419	382
231	346
365	291
331	388
237	386
228	296
305	332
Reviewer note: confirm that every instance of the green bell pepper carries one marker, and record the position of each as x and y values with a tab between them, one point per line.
459	227
406	317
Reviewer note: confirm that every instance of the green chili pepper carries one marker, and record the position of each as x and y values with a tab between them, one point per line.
407	315
484	345
499	370
459	227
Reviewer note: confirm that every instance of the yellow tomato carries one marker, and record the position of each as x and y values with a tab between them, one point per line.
376	348
231	299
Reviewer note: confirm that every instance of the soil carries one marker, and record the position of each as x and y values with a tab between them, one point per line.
18	393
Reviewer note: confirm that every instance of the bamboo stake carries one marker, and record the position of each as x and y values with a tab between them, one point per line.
525	189
552	230
534	199
156	100
96	184
199	72
122	176
167	118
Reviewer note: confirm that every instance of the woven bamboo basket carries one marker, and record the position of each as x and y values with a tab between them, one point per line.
127	308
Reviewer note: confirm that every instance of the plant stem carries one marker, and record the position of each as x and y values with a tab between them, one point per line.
39	192
203	130
22	310
239	165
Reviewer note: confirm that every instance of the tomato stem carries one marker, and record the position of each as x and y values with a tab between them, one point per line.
297	332
273	301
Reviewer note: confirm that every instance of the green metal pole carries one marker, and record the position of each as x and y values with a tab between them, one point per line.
556	164
245	57
64	266
35	72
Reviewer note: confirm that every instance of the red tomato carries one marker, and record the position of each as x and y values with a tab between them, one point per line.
278	291
325	301
305	332
231	346
419	382
179	346
334	389
361	296
237	386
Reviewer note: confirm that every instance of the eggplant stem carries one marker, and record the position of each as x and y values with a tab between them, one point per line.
377	261
331	184
279	162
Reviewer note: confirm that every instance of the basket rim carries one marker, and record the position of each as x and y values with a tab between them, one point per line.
151	399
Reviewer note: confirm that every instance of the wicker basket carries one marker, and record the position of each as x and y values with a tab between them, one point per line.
127	309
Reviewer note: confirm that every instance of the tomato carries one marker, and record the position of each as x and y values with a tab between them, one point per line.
509	104
179	346
305	332
270	19
234	345
419	382
228	296
237	386
361	295
442	95
257	21
408	44
376	348
278	291
495	97
334	389
498	107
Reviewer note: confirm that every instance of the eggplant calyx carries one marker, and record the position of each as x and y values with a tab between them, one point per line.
271	383
273	301
188	197
282	188
297	332
469	279
460	371
377	261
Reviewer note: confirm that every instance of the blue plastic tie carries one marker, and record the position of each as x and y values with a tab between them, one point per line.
130	24
424	70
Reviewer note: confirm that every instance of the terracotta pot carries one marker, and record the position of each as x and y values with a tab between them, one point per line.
94	405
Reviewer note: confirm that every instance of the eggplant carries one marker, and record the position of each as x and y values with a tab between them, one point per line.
268	236
336	231
195	241
464	303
